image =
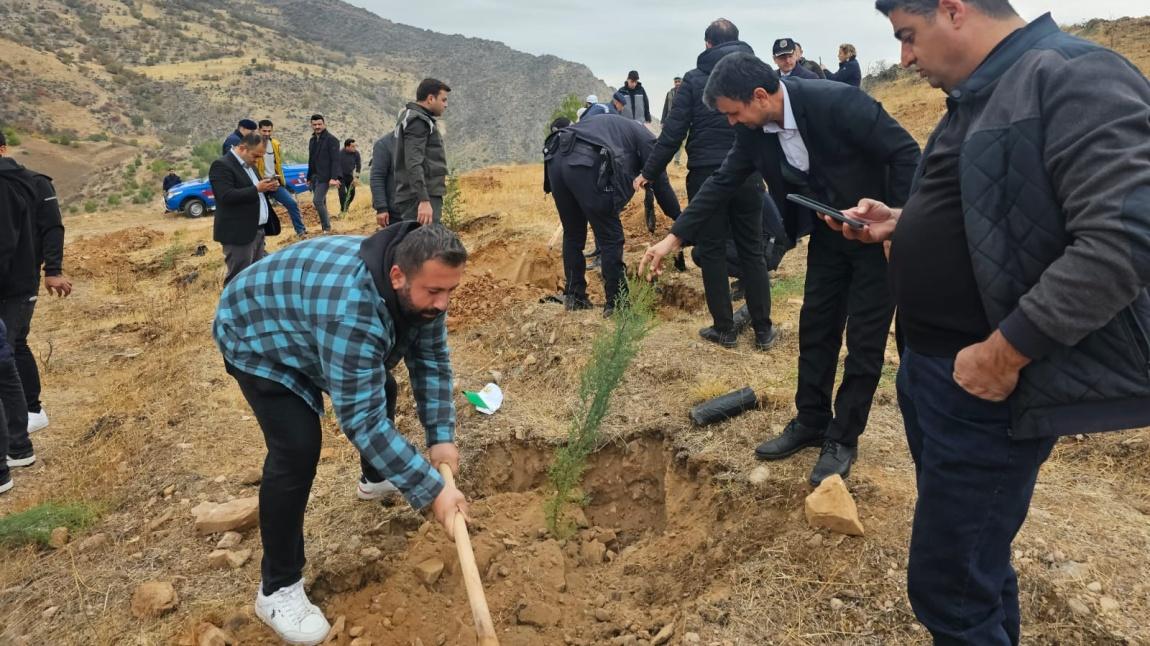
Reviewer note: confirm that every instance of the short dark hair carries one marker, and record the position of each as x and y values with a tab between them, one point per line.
721	31
633	75
429	242
266	123
317	117
559	124
251	140
736	76
992	8
430	87
348	142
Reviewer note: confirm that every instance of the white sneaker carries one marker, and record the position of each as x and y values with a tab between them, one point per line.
289	613
375	490
6	484
25	461
37	421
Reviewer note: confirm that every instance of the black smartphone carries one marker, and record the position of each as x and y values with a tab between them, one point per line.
814	205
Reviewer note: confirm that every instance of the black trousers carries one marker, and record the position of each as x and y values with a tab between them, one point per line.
846	287
293	437
16	312
742	224
580	202
14	438
346	192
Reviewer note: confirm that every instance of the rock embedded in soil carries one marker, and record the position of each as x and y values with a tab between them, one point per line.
58	538
592	553
229	540
602	614
94	542
251	477
539	614
241	513
1109	604
335	635
428	571
355	631
664	635
153	599
371	553
832	507
759	475
1078	607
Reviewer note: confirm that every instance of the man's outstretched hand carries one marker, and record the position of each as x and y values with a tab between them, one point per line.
653	258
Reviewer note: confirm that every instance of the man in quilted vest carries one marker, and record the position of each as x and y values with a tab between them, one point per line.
1019	265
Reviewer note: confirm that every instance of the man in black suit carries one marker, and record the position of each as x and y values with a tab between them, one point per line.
243	214
788	56
833	143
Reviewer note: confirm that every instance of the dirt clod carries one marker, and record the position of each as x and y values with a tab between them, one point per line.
428	571
153	599
539	614
58	538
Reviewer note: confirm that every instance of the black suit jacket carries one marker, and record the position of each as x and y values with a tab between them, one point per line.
856	150
237	204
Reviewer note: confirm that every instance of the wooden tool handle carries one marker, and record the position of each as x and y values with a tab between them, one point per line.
484	627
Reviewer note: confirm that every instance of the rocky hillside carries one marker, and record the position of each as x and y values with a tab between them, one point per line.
180	72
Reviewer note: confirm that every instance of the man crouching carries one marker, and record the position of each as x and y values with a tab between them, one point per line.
336	315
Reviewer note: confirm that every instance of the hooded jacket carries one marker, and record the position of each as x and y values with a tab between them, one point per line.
31	230
708	134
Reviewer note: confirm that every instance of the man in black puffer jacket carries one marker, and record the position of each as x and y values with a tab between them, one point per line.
709	138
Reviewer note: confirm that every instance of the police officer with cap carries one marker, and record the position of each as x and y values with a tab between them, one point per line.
590	167
788	62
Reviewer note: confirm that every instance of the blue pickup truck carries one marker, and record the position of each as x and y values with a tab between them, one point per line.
194	198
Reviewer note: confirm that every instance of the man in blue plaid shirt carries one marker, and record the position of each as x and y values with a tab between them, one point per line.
336	315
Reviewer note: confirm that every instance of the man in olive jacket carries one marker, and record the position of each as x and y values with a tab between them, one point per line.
420	158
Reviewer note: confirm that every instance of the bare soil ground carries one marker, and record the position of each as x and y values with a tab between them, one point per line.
146	424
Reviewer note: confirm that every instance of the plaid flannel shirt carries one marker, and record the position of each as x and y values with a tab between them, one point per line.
311	318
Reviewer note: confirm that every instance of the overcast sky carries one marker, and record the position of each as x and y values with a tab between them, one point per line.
661	39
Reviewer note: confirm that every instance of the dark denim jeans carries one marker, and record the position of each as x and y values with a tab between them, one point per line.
14	439
974	488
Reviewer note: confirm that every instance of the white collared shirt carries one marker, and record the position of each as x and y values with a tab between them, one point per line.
255	182
789	137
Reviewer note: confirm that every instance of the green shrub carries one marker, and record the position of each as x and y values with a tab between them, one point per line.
90	206
453	203
34	526
611	353
113	200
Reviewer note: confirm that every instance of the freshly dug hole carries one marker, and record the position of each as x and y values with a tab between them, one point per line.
657	546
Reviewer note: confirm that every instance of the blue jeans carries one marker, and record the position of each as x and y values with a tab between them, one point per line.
284	197
974	488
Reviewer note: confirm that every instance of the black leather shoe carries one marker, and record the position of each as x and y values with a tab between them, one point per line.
742	319
795	437
573	303
680	262
727	339
766	340
835	458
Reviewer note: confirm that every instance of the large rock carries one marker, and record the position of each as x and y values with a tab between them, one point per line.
538	614
153	599
428	571
832	507
241	513
592	553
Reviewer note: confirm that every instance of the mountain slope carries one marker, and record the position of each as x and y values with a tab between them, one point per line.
185	71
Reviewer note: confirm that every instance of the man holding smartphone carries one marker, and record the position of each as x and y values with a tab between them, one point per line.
243	214
271	165
834	143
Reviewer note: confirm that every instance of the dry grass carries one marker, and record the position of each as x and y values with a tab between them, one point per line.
141	406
